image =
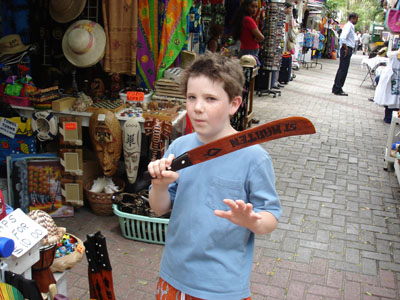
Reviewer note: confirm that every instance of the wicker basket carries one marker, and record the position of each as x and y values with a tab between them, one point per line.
101	203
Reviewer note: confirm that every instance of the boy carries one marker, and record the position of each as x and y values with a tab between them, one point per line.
216	206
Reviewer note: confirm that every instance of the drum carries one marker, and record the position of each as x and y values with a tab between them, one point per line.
41	272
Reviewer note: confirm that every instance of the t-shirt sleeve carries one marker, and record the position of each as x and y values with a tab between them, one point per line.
249	23
262	189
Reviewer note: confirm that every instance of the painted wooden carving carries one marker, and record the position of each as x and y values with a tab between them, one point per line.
160	130
106	136
132	137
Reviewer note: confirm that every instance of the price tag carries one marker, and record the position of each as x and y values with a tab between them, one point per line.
70	126
8	128
135	96
25	232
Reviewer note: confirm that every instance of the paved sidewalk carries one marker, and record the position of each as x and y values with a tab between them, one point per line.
339	235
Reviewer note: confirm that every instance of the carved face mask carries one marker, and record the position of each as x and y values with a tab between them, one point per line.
106	136
132	140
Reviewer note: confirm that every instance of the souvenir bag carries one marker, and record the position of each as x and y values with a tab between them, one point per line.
392	19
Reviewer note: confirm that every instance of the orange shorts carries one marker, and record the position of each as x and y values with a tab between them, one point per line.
165	291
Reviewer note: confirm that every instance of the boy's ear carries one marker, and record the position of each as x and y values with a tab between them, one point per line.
235	104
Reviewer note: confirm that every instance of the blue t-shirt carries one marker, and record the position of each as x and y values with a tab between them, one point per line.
206	256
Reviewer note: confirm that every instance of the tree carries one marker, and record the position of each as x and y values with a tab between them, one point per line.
368	11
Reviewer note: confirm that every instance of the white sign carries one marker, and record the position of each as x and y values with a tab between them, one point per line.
25	232
8	128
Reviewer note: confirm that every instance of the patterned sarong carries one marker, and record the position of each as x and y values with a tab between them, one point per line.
165	291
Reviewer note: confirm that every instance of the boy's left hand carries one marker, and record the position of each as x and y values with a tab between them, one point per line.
241	213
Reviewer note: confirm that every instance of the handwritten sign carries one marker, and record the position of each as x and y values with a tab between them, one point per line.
70	125
25	232
8	128
135	96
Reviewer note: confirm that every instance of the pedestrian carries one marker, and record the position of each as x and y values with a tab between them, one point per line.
216	206
214	42
348	41
358	41
365	39
245	28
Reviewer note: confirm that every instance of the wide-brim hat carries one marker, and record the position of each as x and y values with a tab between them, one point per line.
55	234
66	10
11	44
84	43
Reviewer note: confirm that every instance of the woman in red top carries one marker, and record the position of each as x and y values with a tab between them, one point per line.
245	28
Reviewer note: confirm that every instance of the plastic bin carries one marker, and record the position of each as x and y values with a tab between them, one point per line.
141	228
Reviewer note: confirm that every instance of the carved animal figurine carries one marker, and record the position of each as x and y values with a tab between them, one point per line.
115	85
97	89
160	130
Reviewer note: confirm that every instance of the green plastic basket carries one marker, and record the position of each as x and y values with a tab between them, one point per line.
141	228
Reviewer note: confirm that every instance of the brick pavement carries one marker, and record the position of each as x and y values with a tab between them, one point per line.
338	237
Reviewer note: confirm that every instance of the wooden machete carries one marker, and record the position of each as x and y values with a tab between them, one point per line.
252	136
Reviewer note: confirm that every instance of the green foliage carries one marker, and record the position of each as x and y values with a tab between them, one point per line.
368	11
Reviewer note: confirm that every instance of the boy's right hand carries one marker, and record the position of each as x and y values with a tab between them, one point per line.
158	170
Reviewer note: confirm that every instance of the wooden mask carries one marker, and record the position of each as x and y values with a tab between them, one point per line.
106	136
132	136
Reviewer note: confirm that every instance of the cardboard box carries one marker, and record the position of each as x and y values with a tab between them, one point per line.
62	104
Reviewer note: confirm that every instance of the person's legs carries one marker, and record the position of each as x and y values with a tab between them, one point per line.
341	74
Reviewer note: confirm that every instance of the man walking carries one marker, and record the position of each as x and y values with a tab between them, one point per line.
366	37
348	41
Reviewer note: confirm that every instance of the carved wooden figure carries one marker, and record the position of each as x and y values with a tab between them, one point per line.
106	136
132	140
160	130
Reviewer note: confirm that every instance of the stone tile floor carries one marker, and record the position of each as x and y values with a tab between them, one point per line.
339	235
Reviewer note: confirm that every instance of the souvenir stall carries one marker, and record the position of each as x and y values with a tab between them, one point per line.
311	40
271	49
35	255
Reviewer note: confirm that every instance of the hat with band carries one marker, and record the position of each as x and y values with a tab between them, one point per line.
66	10
11	44
84	43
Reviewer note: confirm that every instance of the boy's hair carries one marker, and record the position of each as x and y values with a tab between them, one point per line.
218	68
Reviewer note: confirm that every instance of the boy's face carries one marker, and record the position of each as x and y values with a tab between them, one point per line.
209	108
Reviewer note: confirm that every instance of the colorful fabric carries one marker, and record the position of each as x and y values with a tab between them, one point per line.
165	291
162	31
14	19
120	26
24	141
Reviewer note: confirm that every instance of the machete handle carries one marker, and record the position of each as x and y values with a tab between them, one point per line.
182	161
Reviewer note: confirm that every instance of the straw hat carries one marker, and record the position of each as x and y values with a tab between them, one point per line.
66	10
84	43
55	233
11	44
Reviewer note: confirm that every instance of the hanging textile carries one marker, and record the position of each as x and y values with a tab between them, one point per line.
121	27
173	35
14	19
162	32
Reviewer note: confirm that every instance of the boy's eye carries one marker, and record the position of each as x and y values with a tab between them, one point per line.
191	97
211	98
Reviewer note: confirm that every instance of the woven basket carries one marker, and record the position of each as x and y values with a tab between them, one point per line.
101	203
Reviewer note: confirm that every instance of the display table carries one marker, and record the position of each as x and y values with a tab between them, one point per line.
372	64
397	170
85	116
388	158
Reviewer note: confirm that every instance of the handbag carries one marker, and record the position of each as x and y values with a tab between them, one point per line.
393	20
